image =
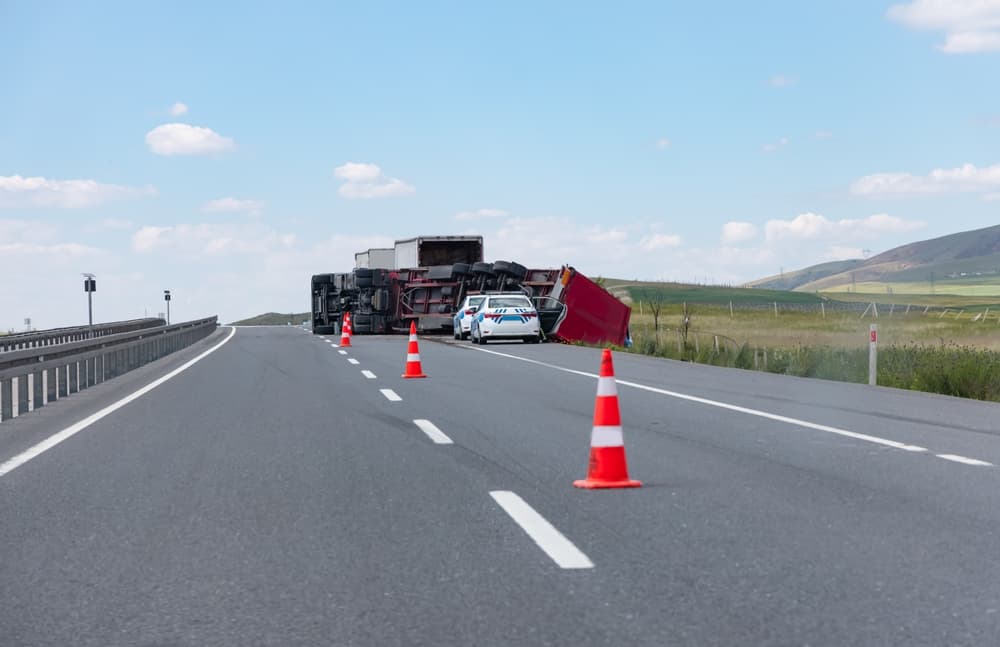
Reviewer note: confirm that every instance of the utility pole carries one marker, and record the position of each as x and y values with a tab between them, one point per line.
90	286
166	297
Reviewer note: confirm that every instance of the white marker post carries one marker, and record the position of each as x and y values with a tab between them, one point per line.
872	353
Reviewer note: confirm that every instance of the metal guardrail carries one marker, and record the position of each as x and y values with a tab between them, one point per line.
24	340
32	378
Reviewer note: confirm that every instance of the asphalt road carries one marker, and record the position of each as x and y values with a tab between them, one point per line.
272	494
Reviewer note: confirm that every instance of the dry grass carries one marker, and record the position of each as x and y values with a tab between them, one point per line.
790	330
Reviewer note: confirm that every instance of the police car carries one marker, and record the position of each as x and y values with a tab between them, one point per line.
505	316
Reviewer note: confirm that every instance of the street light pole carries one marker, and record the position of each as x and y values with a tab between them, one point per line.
166	297
90	286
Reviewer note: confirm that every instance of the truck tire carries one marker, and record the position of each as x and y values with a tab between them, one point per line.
502	267
439	273
365	272
324	330
482	268
363	282
518	271
460	269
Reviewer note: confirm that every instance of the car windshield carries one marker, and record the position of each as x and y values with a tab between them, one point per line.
509	302
475	301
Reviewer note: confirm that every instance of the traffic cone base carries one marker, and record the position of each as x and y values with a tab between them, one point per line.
413	368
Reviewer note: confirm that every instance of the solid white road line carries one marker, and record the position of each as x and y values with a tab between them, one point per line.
352	360
964	460
561	550
731	407
390	395
53	440
342	352
368	374
433	432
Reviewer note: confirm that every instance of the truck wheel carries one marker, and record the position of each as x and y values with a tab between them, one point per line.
482	268
518	271
363	282
460	269
365	272
502	267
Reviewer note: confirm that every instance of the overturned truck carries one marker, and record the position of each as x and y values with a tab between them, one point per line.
426	279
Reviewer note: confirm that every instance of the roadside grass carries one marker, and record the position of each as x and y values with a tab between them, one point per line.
949	355
922	300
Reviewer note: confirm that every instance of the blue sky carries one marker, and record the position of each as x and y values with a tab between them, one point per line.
228	151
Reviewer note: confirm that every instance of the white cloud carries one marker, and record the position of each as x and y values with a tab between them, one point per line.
18	191
770	148
738	232
364	181
963	179
813	226
480	214
841	253
232	205
991	197
969	25
660	241
115	223
663	143
211	239
184	139
178	109
823	134
782	81
61	251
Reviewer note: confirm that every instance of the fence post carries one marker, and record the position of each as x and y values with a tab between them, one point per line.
730	309
775	308
822	308
872	354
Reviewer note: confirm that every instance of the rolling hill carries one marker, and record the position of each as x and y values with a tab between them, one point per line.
957	262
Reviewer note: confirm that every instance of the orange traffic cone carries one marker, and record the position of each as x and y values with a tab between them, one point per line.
345	331
607	467
413	355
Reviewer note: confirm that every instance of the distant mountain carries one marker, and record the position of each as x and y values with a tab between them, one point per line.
967	253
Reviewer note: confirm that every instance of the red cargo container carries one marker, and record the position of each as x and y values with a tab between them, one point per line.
591	314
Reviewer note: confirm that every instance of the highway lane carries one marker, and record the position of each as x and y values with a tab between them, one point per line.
272	495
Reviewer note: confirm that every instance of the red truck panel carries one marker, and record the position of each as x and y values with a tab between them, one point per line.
593	315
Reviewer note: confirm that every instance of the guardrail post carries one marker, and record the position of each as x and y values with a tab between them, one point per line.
22	394
38	386
6	399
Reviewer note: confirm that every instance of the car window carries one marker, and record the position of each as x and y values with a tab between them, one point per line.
475	301
509	302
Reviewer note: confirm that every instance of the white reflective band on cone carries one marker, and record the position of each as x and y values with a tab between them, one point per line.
606	386
607	437
413	357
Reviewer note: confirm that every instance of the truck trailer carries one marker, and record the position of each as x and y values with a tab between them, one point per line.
434	274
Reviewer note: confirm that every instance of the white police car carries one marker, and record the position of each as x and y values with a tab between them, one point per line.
505	316
463	319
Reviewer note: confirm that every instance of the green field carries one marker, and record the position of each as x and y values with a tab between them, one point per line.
978	287
650	292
